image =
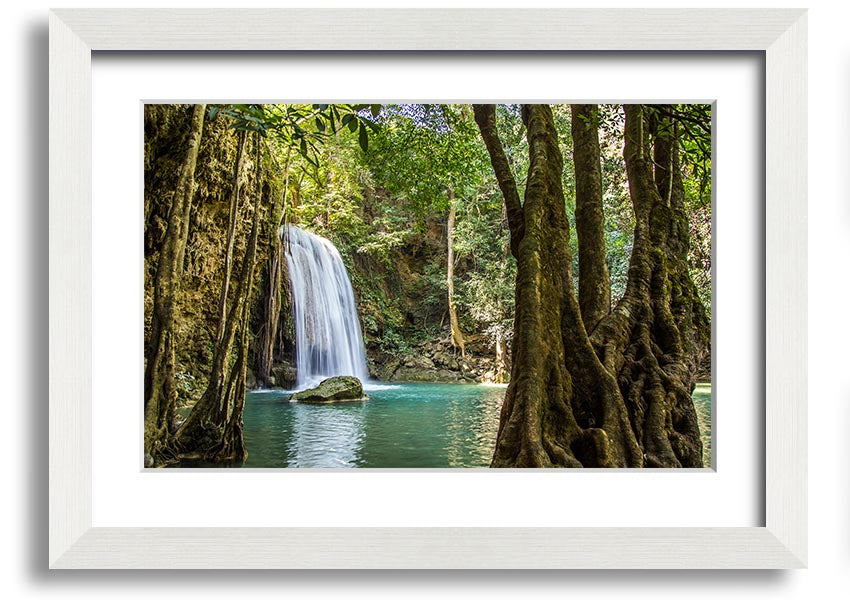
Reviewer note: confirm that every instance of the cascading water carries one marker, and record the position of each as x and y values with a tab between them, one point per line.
328	341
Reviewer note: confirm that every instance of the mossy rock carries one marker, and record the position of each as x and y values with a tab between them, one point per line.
333	389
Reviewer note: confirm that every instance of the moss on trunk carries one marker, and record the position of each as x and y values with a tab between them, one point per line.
160	376
594	286
621	396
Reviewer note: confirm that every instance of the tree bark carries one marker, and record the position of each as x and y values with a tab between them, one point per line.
485	118
621	396
641	341
562	408
160	390
233	445
211	408
688	311
231	236
594	285
213	428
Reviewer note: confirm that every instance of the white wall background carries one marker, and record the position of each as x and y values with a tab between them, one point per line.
24	366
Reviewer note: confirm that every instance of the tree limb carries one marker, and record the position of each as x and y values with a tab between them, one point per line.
485	118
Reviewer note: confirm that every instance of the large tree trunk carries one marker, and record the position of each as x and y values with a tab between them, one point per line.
642	341
620	397
594	284
160	391
562	408
687	309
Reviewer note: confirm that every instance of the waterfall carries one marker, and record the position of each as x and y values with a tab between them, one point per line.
328	341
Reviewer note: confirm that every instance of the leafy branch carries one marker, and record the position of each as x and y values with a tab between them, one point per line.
303	126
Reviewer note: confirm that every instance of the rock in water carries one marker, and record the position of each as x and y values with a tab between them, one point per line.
334	389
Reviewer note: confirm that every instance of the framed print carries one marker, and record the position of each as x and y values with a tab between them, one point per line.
737	76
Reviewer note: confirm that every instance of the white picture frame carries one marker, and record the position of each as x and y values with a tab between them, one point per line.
75	33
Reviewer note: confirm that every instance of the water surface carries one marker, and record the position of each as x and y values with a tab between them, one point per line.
403	426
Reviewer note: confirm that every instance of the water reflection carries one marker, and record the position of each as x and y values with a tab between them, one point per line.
402	426
325	436
471	425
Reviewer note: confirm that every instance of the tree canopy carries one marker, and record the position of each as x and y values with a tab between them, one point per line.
450	218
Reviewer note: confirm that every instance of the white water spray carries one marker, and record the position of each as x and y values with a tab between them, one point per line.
328	341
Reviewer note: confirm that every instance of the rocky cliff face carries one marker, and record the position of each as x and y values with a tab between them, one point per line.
402	303
402	307
166	127
431	361
436	361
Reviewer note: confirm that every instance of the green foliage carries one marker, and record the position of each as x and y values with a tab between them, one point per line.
619	251
512	133
422	157
485	291
302	126
377	181
383	242
616	201
424	150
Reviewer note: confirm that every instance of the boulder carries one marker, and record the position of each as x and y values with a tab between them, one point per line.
444	359
283	374
333	389
447	376
422	362
413	374
385	371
